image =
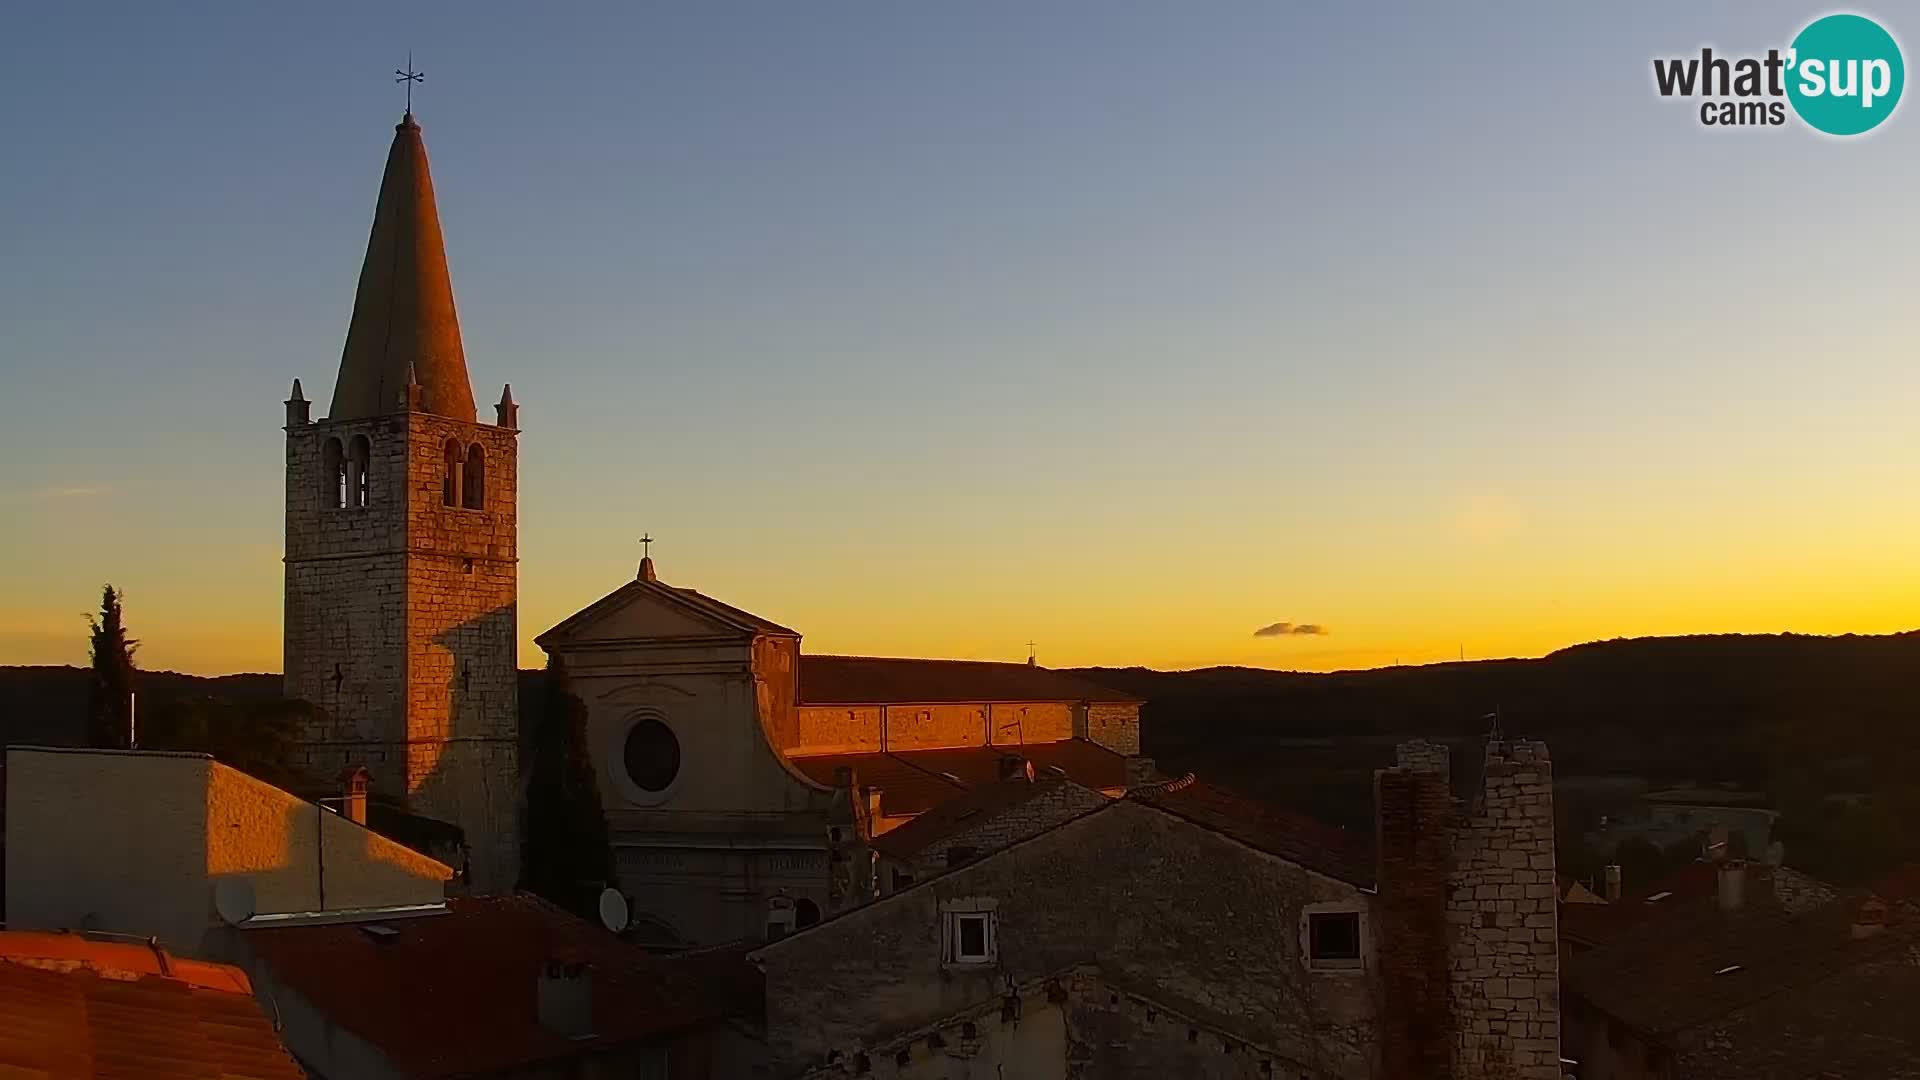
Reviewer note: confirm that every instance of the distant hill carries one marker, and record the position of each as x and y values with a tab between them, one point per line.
1827	727
1693	705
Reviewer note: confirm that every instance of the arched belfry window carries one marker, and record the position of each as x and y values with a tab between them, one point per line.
359	455
450	480
333	474
474	486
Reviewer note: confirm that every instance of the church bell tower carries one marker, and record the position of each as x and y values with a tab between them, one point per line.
400	550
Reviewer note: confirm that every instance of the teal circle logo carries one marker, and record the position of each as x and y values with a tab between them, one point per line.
1845	74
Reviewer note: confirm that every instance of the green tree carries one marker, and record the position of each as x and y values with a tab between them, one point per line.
259	739
567	857
110	697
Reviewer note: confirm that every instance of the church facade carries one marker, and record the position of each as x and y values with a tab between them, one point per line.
401	574
744	780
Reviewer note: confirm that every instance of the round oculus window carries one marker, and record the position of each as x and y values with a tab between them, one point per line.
652	755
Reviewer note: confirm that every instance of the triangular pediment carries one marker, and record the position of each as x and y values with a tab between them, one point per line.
643	611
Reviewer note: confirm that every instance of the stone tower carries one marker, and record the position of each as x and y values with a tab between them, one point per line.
401	577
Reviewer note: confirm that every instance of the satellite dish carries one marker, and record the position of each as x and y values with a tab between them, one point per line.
233	900
614	912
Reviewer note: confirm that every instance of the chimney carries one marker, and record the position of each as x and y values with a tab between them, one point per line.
564	998
1613	883
1013	767
1140	770
1733	884
1415	850
353	794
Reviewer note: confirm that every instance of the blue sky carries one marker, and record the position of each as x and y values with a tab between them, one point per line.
932	329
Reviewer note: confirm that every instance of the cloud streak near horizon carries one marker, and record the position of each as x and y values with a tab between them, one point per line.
1287	629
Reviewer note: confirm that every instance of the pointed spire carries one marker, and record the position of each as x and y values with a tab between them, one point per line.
412	394
506	414
403	313
297	406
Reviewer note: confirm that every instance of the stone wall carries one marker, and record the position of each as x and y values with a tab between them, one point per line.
401	626
345	603
1504	957
853	728
1114	726
1208	925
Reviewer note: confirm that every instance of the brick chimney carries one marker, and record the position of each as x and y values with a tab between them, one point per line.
564	997
1505	963
1413	812
1614	886
353	794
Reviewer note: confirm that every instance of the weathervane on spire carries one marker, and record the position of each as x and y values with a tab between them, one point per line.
409	77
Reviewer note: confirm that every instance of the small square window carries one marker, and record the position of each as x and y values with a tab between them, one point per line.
970	937
1334	938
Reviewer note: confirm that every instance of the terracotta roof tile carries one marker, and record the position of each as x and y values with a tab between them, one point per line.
915	781
870	680
1779	887
1292	836
74	1008
1697	962
454	994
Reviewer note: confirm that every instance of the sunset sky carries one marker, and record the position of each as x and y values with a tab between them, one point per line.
931	329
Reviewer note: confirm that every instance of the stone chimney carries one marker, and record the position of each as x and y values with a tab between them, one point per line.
1614	886
1140	770
353	794
1732	875
1504	963
1413	826
564	998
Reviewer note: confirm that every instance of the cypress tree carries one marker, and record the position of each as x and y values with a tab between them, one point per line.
110	697
567	856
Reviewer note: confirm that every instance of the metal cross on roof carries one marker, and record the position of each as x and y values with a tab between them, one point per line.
646	545
409	77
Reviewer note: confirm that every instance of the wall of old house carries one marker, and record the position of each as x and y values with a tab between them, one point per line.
79	857
1115	726
109	840
1210	926
1075	1025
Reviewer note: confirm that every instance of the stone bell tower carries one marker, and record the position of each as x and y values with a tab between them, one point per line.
400	557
